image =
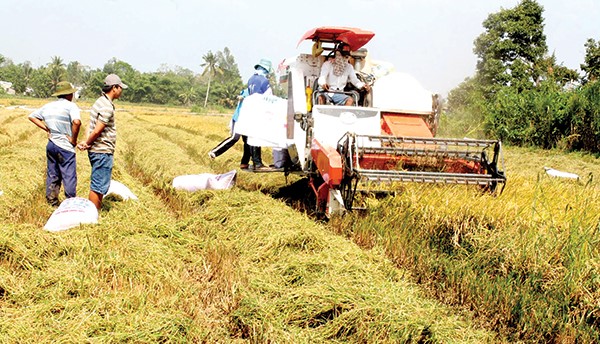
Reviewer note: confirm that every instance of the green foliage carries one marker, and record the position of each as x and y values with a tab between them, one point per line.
77	74
584	107
41	83
464	116
211	67
510	50
56	71
178	86
547	117
522	96
591	66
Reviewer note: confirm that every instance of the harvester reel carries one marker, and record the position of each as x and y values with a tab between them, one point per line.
348	190
492	169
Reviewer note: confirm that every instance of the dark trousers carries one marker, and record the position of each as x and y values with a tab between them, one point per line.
249	151
61	169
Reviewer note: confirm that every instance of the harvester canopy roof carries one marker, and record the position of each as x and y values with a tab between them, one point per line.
354	37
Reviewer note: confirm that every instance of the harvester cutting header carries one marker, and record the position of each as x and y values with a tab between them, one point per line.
387	135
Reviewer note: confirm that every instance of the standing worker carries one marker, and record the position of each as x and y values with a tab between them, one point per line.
61	120
258	83
102	138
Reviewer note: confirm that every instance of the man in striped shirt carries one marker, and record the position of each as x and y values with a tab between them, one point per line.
61	120
102	138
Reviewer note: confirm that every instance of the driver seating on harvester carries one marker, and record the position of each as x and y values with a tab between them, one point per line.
321	92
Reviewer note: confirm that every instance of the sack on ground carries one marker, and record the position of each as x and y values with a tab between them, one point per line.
119	189
71	213
205	181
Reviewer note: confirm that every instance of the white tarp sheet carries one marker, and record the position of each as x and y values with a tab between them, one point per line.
263	118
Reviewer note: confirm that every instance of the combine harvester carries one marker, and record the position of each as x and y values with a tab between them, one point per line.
388	136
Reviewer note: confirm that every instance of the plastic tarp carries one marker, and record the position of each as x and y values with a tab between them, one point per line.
560	174
205	181
72	212
263	118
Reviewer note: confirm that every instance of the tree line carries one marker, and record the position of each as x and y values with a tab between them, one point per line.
519	93
218	85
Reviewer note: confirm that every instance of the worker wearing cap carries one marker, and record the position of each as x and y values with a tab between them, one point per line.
102	138
334	76
61	120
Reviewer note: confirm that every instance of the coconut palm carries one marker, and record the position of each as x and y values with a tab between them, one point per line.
57	71
211	67
188	96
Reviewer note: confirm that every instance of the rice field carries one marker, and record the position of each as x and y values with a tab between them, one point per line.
438	264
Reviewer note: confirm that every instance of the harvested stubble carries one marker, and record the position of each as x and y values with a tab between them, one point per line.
210	266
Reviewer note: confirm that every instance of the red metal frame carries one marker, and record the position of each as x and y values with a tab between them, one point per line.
354	37
329	163
400	124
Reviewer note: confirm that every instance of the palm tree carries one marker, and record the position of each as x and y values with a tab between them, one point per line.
211	67
27	71
187	97
57	71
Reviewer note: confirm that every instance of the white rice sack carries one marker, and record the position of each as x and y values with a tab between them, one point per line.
222	181
71	213
118	189
205	181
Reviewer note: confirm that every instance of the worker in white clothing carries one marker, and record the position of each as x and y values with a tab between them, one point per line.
334	76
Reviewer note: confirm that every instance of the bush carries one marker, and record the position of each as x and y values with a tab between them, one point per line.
585	109
546	117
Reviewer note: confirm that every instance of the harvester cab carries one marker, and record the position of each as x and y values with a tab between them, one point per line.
386	136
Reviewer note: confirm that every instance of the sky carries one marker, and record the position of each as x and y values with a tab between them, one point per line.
432	40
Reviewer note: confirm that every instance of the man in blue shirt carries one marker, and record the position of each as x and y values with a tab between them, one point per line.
258	83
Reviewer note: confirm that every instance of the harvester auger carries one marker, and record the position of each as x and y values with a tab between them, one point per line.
386	137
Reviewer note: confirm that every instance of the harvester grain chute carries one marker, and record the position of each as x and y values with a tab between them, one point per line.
387	136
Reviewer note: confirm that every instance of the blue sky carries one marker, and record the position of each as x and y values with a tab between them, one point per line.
430	39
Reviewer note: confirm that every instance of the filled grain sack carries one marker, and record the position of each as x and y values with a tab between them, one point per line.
205	181
119	190
71	213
